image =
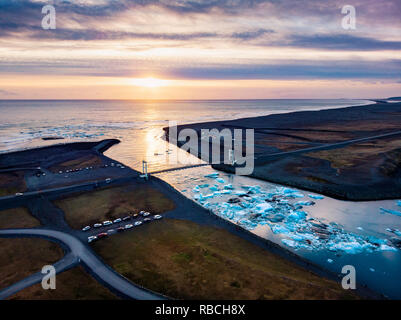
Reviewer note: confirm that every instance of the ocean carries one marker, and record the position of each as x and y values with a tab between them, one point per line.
138	124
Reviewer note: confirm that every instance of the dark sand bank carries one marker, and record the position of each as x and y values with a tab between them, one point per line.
351	153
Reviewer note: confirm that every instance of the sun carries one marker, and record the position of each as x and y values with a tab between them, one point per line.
149	82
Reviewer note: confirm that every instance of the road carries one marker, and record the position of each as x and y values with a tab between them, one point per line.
79	251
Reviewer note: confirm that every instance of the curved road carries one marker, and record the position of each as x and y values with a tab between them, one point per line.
79	251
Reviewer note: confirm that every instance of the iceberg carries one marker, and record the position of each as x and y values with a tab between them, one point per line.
212	175
313	196
394	212
220	180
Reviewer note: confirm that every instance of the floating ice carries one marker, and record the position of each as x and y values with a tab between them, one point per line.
399	203
360	228
313	196
395	212
196	189
305	203
330	260
253	207
203	186
212	175
220	180
372	270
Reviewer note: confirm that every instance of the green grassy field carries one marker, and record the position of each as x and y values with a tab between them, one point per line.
185	260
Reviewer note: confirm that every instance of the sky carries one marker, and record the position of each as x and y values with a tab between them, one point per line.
200	49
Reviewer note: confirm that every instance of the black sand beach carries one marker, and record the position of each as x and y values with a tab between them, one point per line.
351	153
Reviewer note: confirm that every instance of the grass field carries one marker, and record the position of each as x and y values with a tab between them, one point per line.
11	183
112	203
17	218
19	258
184	260
74	284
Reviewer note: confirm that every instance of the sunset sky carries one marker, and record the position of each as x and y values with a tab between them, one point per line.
199	49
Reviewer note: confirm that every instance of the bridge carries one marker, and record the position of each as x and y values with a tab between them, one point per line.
180	168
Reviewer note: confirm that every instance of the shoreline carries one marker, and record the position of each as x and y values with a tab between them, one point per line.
186	209
370	177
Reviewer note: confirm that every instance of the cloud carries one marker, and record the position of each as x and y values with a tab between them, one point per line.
342	42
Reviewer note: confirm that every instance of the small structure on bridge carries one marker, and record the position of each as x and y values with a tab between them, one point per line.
144	170
231	157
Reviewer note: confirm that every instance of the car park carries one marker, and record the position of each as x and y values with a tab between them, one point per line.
138	223
107	223
102	235
86	228
157	217
97	225
91	239
117	220
128	226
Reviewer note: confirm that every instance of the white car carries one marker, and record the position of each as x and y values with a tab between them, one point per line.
107	223
146	214
111	231
86	228
142	213
157	217
128	226
117	220
97	225
18	194
138	223
108	180
92	238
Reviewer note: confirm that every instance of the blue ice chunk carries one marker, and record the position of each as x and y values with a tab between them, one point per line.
330	260
213	188
203	185
304	203
395	212
289	243
212	175
263	207
220	180
229	187
313	196
399	203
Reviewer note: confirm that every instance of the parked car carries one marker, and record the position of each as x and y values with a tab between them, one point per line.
18	194
157	217
128	226
86	228
97	225
126	218
120	229
111	231
107	223
138	223
102	235
135	215
117	220
108	180
146	214
141	213
91	238
147	220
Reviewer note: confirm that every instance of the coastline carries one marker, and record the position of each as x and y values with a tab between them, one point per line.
374	176
186	209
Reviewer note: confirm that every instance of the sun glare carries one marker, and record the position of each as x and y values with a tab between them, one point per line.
149	82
